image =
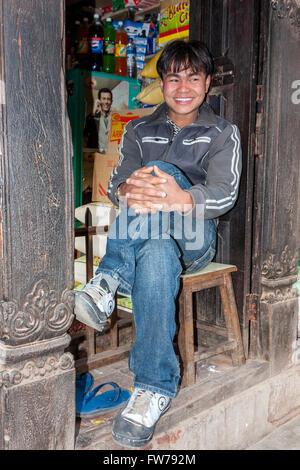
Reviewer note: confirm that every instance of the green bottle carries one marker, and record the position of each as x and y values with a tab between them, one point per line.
109	64
118	5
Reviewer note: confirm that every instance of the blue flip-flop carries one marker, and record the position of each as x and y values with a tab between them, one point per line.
84	383
95	405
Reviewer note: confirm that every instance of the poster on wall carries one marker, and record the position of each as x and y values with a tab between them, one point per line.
103	96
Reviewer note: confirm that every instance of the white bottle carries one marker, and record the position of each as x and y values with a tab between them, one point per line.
131	61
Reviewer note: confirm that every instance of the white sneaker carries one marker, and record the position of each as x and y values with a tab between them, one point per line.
134	426
95	303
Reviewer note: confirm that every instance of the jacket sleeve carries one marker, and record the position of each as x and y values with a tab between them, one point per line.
129	161
224	164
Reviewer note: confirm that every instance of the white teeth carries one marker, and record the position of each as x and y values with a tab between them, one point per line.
183	99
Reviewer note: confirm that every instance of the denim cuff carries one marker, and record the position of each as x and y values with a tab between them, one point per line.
154	389
124	285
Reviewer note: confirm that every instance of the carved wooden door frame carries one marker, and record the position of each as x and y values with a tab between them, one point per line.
265	244
276	208
230	30
37	376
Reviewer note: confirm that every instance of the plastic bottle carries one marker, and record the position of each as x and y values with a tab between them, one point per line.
152	39
131	61
109	63
120	50
96	44
118	5
83	45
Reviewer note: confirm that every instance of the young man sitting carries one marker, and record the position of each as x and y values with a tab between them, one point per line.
179	170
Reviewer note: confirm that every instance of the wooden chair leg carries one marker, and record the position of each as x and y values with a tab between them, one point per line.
133	332
90	337
232	320
186	338
90	333
114	329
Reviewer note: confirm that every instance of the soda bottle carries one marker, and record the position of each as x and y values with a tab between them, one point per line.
120	50
83	45
131	61
118	5
109	63
96	44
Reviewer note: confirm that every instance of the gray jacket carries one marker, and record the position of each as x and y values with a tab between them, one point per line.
208	152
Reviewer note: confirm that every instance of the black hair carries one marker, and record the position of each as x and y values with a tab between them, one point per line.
180	55
104	90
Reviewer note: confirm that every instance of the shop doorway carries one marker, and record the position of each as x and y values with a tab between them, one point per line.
230	29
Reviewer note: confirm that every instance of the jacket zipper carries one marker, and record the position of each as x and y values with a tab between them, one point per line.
171	142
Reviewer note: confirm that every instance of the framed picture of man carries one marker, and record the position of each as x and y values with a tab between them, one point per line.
91	116
98	122
102	97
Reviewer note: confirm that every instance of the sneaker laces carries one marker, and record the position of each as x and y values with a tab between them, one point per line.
143	407
138	407
141	402
101	294
95	285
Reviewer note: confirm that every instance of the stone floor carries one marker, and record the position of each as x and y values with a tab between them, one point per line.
217	380
95	433
286	437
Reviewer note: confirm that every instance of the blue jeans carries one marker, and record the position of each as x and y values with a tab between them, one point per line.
147	260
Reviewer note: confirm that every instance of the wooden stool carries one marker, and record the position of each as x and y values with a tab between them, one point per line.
114	352
213	275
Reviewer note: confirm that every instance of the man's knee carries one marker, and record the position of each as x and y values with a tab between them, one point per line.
172	170
164	166
156	248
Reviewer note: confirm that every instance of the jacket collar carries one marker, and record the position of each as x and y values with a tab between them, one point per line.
206	115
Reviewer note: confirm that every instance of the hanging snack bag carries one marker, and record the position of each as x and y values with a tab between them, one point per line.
174	21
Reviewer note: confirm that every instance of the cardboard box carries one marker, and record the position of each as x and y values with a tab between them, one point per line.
119	121
87	177
105	163
103	166
174	21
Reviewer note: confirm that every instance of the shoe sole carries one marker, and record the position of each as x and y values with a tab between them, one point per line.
87	312
135	443
129	442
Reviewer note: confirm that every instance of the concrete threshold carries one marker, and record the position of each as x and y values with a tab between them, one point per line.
286	437
229	408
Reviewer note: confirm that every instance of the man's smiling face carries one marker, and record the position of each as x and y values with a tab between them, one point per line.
105	102
184	92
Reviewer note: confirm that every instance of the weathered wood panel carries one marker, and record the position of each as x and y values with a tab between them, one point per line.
230	30
277	187
37	244
36	223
